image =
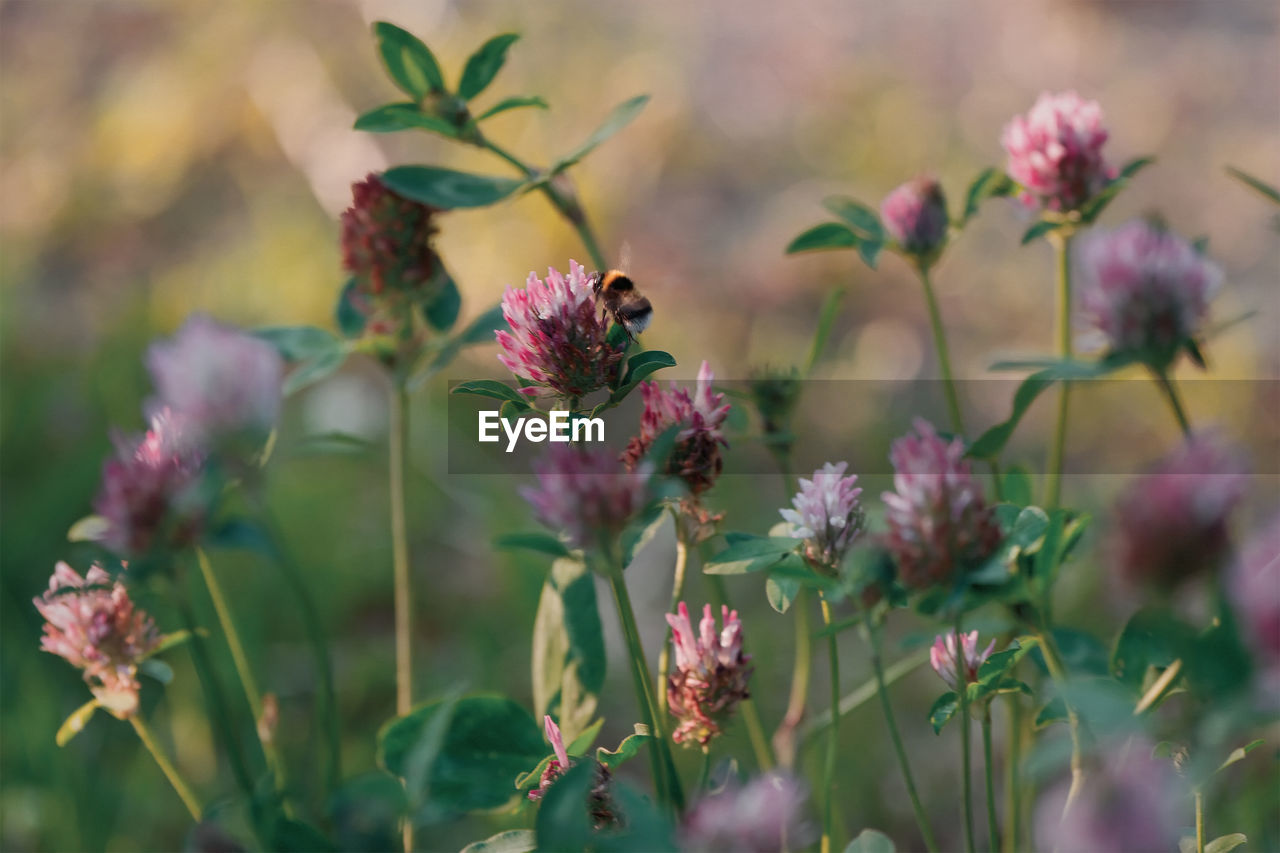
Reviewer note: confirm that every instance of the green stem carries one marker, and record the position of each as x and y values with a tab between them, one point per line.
1013	770
665	779
962	690
1061	241
750	713
1199	821
993	823
166	766
882	690
784	739
704	775
1057	671
833	740
398	464
570	210
944	354
677	591
241	661
1171	392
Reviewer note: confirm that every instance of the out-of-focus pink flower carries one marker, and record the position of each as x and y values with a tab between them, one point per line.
1055	151
586	493
696	456
150	495
1173	521
915	215
826	514
942	657
1131	804
1145	288
222	382
559	336
386	239
92	623
939	522
765	815
1254	585
710	675
558	765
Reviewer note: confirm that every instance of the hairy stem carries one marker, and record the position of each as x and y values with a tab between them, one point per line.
993	823
962	691
833	740
1061	241
166	766
1171	392
750	713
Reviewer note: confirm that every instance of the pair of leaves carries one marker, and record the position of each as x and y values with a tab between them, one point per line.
993	677
414	69
859	229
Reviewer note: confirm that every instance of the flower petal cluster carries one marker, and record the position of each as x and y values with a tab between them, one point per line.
827	515
696	457
939	522
223	383
710	675
92	623
942	657
1055	151
1145	289
762	816
599	797
150	495
559	336
915	216
1172	522
586	493
386	240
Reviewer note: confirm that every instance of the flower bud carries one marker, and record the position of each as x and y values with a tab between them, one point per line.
386	241
942	657
696	456
1055	151
915	215
827	515
710	675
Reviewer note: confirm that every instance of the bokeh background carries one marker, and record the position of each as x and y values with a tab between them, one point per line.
158	158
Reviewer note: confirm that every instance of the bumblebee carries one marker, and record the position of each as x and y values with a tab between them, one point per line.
625	304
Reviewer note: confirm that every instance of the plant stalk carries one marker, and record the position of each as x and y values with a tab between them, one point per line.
784	739
1199	821
1013	772
962	691
1171	392
1058	671
1061	241
750	713
398	463
833	740
993	823
943	353
166	766
677	592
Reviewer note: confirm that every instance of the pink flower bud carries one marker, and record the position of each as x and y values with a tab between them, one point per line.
1055	151
386	240
586	493
559	336
696	457
92	623
827	515
939	522
942	657
915	215
710	675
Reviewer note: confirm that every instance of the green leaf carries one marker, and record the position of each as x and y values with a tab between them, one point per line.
1239	754
622	115
991	182
511	841
491	388
828	235
1054	711
1226	843
568	653
347	317
944	708
1152	637
1039	229
1016	485
513	103
313	371
442	311
1264	189
537	541
79	718
639	366
483	65
628	749
409	62
871	841
488	742
295	836
826	320
91	528
781	592
564	822
1094	207
864	221
478	331
641	531
754	554
156	669
448	189
170	641
299	343
392	118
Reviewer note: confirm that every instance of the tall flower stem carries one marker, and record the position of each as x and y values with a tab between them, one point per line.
1061	240
833	740
882	690
962	690
1171	392
944	354
750	712
1199	821
1013	772
249	684
784	739
993	823
665	779
398	464
1058	672
677	592
166	766
566	206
